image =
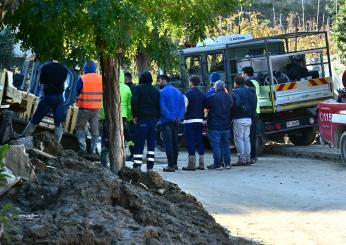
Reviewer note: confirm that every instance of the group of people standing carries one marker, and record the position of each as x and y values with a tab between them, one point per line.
143	106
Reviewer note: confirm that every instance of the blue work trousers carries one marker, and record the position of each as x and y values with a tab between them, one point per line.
194	139
219	140
47	103
144	131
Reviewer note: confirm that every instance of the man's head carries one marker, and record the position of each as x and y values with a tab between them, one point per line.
344	79
247	71
219	86
194	81
163	80
89	67
214	77
238	81
146	77
128	77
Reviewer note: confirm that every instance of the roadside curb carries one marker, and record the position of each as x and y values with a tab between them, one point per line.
310	152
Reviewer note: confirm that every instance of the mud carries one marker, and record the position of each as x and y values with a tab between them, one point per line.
76	201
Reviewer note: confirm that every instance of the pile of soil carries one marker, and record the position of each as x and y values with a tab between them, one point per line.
76	201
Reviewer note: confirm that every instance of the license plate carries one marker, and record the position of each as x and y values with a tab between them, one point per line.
291	124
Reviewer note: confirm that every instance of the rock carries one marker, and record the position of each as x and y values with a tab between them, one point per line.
28	141
17	160
46	142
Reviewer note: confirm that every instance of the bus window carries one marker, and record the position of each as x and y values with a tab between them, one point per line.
193	65
215	62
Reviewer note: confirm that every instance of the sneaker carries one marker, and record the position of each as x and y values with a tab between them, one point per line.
188	169
253	161
200	168
214	167
239	163
169	169
228	166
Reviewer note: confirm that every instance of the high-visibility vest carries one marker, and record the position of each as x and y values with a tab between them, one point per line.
91	95
256	84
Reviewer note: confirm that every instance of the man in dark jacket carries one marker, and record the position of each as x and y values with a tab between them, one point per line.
244	108
172	105
219	121
193	125
342	91
53	76
252	83
146	113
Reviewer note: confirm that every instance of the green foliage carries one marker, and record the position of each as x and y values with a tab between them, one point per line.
339	32
8	214
84	29
3	175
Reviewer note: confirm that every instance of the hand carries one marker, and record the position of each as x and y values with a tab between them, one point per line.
134	120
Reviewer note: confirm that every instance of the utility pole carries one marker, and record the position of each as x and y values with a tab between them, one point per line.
274	17
318	14
303	18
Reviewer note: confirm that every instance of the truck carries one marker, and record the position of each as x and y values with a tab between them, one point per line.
293	78
332	125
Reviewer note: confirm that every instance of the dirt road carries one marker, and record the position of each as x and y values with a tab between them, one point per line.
280	200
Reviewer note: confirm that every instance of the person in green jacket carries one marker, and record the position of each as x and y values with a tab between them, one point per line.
126	113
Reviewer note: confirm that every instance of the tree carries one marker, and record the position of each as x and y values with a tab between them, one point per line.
109	31
339	32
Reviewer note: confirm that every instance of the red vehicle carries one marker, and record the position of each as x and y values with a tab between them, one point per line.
332	124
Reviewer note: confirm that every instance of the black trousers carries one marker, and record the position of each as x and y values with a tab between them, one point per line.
171	139
253	136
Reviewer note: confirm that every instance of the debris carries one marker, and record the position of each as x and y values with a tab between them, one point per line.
17	160
46	142
28	142
81	202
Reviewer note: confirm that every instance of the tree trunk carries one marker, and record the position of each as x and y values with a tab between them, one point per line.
143	61
111	102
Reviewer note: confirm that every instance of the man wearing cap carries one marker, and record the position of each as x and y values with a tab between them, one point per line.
90	91
219	120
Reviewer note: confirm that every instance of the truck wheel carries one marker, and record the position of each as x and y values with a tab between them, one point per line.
160	144
260	144
343	147
305	137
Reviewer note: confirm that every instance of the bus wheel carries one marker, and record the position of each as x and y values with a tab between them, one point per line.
343	147
304	137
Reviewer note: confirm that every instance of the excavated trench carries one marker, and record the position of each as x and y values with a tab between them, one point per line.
76	201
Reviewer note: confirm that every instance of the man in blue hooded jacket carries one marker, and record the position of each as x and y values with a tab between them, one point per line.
172	105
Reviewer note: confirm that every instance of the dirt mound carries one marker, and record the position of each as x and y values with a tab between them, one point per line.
46	142
80	202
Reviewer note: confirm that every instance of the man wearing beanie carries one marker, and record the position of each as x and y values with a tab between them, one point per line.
89	88
146	113
213	78
219	121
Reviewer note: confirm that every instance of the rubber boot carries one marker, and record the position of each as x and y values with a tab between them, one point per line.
58	132
191	166
104	158
93	146
28	131
201	163
80	134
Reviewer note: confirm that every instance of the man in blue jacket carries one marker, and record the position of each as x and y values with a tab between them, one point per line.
245	103
172	113
219	122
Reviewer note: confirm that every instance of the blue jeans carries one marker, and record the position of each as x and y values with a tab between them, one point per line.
171	139
47	103
194	138
219	140
144	131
